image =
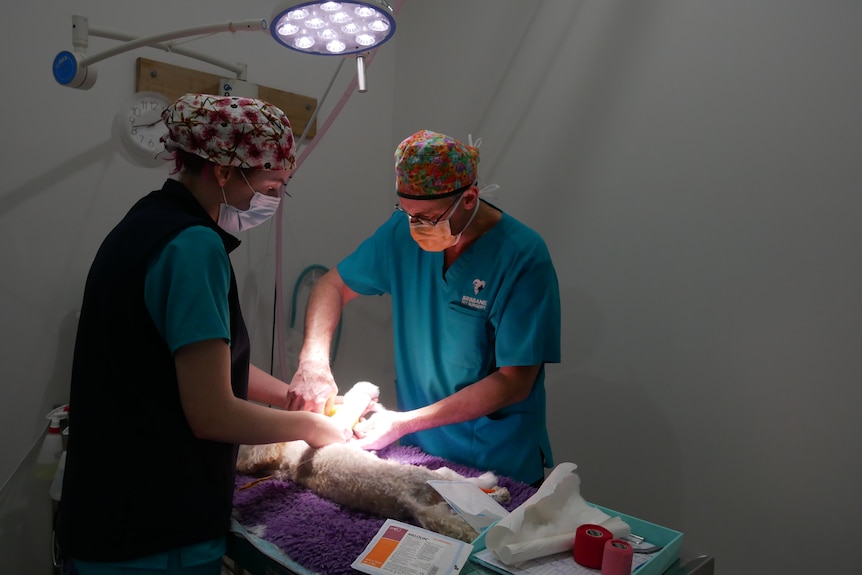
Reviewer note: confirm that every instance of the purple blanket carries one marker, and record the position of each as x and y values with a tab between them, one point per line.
320	535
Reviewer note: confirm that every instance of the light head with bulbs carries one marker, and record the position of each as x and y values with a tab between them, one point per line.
332	28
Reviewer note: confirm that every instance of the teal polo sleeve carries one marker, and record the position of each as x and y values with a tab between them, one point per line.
368	270
186	288
528	326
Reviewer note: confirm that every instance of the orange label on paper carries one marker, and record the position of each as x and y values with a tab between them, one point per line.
385	546
380	552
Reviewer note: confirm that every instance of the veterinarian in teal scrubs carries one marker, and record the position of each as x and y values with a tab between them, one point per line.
161	369
476	315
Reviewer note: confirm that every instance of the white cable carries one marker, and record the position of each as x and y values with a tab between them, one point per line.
272	220
319	106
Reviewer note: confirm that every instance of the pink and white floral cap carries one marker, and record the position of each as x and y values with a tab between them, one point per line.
230	131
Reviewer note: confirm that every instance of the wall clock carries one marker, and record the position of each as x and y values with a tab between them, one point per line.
138	128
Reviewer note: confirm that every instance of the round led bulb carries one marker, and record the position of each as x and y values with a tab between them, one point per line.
304	42
336	46
365	39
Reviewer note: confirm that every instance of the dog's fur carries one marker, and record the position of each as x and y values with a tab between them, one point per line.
360	480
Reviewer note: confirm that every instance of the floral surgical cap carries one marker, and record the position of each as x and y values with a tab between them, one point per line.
230	131
429	166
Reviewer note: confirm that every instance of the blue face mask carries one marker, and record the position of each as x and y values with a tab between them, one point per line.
260	209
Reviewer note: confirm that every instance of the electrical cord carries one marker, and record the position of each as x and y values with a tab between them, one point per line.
293	306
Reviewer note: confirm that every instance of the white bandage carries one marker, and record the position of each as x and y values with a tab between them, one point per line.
356	403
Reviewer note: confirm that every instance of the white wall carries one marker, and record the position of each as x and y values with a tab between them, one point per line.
694	167
691	164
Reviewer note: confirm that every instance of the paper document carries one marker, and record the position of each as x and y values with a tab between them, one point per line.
477	508
403	549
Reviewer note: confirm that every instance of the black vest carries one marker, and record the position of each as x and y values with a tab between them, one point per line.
137	481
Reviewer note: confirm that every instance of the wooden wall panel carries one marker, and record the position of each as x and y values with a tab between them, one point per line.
174	81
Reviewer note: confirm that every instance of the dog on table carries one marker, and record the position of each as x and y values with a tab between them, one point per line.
360	480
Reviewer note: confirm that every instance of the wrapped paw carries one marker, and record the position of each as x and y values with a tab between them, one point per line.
500	494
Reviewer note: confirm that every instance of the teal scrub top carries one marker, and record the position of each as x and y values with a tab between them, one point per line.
497	305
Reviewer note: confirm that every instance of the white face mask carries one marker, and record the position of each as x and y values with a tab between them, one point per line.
260	209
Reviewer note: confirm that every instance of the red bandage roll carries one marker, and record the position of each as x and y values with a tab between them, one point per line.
590	544
617	558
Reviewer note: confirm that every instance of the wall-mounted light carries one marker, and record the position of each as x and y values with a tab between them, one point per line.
321	28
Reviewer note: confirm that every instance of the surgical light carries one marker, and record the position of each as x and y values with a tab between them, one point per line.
321	28
333	28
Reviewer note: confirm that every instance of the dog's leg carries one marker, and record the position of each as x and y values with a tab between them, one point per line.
487	482
441	519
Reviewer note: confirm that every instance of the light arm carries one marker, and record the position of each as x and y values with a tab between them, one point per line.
73	69
239	69
256	25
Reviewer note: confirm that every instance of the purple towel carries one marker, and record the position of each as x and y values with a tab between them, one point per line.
325	537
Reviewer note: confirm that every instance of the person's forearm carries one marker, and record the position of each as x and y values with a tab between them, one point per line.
322	316
239	421
500	389
264	388
214	413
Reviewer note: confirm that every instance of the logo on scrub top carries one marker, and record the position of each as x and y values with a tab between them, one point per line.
474	302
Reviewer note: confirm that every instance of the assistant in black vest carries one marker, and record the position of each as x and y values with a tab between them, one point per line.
161	336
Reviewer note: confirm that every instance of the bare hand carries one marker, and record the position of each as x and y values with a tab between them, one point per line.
312	385
325	431
380	430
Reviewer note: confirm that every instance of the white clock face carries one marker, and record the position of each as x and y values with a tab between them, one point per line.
139	127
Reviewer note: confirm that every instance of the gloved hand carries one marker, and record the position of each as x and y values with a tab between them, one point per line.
312	385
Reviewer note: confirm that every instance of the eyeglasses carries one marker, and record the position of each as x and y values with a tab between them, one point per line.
282	189
279	189
424	221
